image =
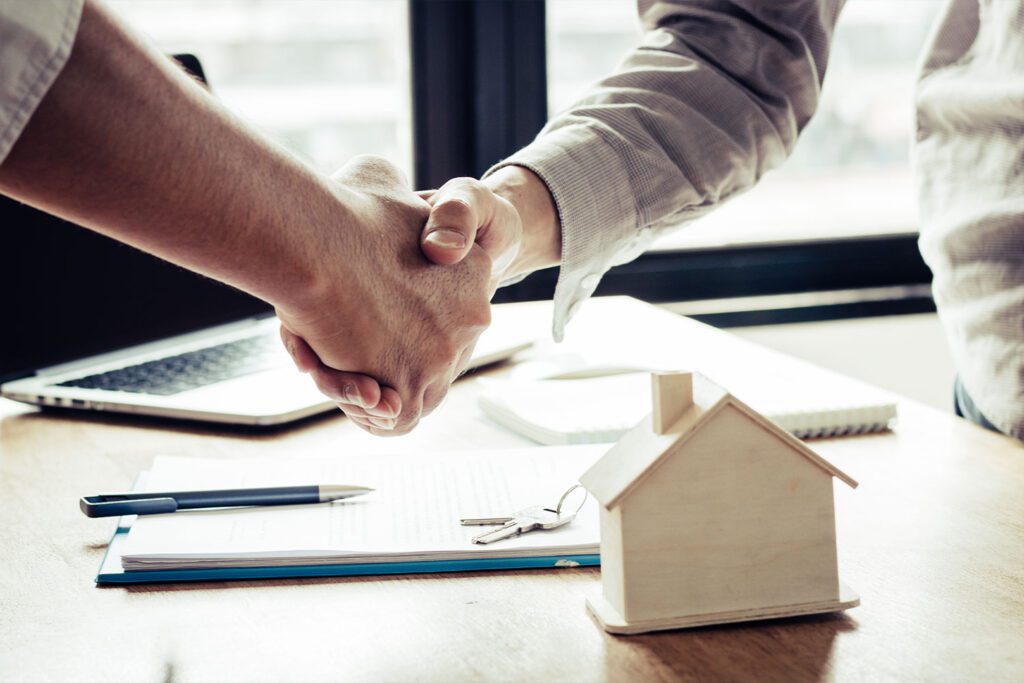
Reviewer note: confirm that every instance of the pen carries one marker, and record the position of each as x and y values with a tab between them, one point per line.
143	503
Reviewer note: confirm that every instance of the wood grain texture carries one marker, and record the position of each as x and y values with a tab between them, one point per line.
671	396
932	541
731	519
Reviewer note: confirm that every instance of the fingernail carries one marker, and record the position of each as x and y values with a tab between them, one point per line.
382	409
381	423
446	239
350	394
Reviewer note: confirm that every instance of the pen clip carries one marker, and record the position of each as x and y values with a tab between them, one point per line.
97	506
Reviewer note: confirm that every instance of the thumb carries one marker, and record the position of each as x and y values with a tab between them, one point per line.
450	231
458	210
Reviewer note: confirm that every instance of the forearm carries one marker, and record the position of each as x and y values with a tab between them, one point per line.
712	99
126	144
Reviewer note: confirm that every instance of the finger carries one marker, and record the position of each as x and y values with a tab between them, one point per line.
366	426
303	356
390	404
502	237
459	209
354	392
384	423
388	408
353	410
347	387
361	421
425	195
370	423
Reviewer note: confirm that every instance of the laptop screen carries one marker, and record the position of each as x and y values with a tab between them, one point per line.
69	293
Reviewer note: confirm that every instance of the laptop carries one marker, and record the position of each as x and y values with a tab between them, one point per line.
92	324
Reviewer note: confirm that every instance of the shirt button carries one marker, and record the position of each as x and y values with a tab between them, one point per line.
590	282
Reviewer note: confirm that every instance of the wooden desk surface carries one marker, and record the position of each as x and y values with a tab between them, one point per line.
933	541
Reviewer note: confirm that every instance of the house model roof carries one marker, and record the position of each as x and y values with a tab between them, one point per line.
640	451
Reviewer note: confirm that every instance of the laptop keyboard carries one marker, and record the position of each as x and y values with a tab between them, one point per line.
175	374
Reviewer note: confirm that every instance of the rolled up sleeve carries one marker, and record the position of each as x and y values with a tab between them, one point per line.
36	37
714	96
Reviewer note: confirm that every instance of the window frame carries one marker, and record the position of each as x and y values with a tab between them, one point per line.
480	93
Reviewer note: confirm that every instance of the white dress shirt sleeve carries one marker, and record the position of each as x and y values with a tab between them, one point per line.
35	41
713	98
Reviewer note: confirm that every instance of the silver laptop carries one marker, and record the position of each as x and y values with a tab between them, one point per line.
92	324
95	325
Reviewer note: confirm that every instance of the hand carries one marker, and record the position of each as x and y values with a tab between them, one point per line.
510	215
465	212
378	309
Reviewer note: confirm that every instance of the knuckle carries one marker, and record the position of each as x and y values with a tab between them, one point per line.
374	160
373	171
406	424
459	183
434	397
455	209
480	317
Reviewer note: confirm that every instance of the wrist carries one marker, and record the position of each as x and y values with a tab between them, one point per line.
327	226
541	245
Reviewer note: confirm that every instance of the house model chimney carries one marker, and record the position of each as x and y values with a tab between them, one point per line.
672	395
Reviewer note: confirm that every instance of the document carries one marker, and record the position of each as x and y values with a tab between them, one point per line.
413	514
603	409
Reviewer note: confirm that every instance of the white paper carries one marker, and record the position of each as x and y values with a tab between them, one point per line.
413	514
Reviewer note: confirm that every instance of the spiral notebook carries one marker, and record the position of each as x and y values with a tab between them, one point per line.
602	409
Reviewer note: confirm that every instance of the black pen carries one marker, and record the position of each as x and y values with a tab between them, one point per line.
144	503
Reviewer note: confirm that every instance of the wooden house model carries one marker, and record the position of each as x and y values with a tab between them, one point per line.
711	513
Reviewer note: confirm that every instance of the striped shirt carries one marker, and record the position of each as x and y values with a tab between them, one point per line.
35	41
716	94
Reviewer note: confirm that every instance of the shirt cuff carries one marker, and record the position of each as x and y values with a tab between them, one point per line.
590	186
36	37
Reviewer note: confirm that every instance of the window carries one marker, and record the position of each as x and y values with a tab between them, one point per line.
332	79
849	174
328	80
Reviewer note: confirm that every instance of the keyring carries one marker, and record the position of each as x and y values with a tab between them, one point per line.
586	494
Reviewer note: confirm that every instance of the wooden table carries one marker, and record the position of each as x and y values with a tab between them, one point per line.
933	541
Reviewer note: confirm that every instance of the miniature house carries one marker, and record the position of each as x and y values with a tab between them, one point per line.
711	513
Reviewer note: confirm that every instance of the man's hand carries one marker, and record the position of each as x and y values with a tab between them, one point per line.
378	309
339	261
510	215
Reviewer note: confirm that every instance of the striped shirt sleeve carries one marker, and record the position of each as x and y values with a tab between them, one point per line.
713	97
35	42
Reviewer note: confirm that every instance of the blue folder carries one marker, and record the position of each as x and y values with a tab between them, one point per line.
112	573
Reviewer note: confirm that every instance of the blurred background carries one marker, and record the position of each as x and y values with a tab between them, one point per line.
330	79
822	252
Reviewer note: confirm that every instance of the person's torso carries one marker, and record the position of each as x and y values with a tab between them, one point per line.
969	163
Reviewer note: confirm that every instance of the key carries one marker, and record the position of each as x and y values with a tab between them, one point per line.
484	521
535	517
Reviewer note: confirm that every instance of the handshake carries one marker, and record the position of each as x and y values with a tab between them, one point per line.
399	285
381	292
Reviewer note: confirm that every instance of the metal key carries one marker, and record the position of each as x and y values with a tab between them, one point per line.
535	517
484	521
